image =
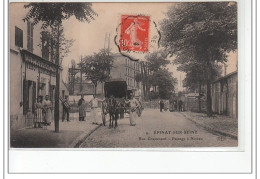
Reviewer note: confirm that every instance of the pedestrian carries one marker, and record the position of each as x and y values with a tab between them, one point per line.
94	111
47	110
175	105
180	106
161	105
66	109
132	111
38	114
104	109
82	110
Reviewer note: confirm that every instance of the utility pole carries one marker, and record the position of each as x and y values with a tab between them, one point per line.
57	90
108	43
81	74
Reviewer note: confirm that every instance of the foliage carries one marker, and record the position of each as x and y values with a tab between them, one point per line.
163	79
156	60
210	26
156	63
196	75
200	35
50	13
97	67
138	77
49	41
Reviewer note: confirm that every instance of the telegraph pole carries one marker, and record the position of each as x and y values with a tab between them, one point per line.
81	74
57	90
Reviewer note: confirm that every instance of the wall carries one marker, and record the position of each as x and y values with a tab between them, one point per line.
18	69
224	96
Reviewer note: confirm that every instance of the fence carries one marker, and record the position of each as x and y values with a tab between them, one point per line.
155	104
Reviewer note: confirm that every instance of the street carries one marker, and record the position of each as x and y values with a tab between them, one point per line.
156	129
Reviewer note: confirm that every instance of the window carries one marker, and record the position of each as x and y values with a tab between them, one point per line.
29	96
29	36
45	45
18	37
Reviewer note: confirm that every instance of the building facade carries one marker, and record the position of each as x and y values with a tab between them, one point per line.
32	70
225	95
123	69
126	69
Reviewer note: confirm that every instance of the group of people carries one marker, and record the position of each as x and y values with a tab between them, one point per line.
177	106
132	104
94	109
43	111
44	108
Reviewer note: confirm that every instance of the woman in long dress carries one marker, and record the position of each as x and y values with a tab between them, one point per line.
82	110
94	111
47	110
38	117
132	111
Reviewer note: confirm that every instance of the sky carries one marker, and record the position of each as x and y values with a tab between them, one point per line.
90	37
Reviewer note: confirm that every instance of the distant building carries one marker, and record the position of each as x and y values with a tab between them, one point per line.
126	69
32	68
224	93
123	69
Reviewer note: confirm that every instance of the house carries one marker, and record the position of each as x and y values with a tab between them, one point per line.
32	67
224	93
123	69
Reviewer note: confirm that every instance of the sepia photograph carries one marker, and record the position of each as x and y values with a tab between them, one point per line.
123	75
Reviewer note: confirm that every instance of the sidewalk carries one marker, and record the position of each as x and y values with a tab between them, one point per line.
70	134
220	124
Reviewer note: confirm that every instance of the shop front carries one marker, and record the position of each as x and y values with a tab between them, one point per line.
36	81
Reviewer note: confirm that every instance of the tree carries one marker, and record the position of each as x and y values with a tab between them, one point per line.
53	14
165	82
196	77
97	67
49	41
154	62
157	60
138	77
203	32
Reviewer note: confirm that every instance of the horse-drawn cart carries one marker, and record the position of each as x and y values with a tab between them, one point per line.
115	104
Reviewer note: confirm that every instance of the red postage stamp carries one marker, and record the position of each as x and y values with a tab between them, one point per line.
134	34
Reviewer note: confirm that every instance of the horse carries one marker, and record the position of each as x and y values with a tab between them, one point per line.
113	107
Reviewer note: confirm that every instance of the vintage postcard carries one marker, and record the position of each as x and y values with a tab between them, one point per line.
123	75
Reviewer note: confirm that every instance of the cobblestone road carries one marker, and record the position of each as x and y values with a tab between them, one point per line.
155	129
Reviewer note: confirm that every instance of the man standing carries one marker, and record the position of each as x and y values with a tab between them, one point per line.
66	109
161	105
180	106
82	110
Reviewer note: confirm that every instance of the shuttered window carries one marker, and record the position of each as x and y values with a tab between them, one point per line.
29	36
18	37
45	45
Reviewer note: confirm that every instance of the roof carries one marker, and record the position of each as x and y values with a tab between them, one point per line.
39	58
225	77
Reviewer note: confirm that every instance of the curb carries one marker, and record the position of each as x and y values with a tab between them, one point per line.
79	140
211	129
